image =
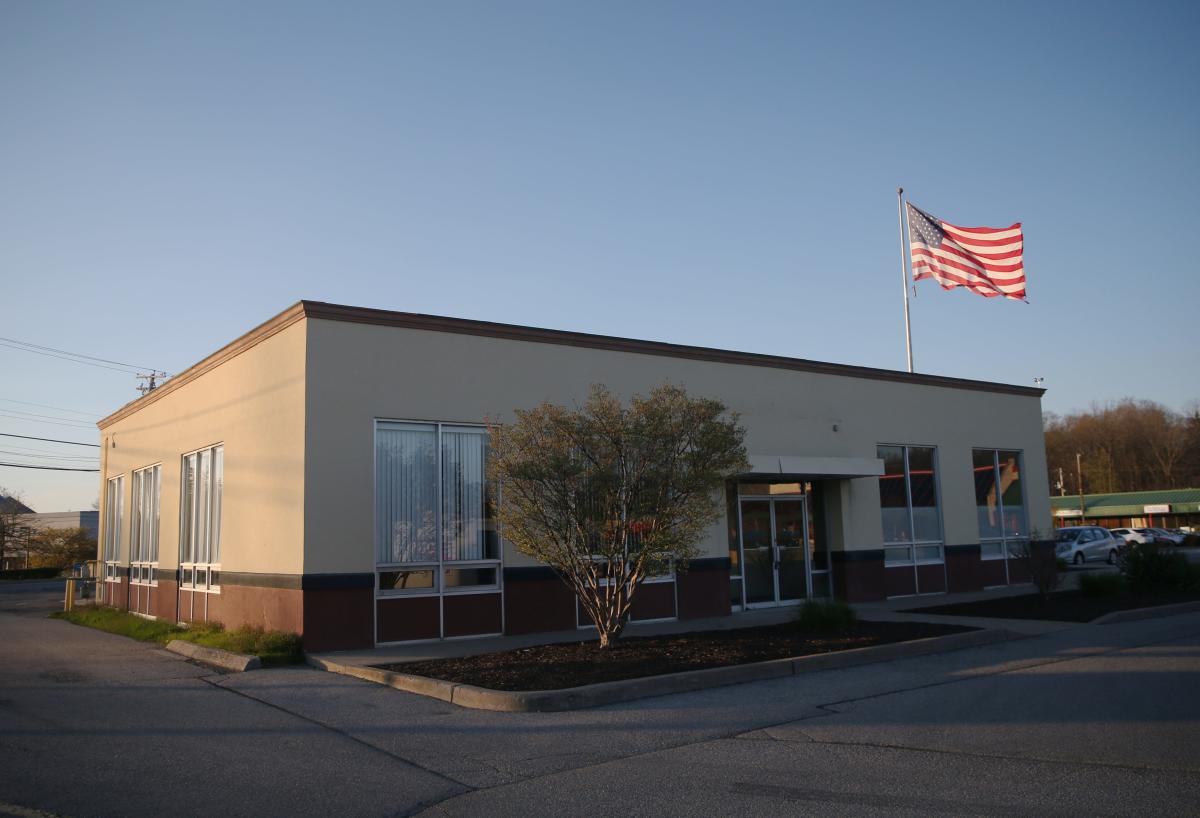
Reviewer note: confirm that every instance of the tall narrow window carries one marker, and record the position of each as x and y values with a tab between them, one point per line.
113	527
434	509
143	543
999	501
201	485
908	500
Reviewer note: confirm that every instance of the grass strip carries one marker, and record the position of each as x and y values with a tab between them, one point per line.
272	647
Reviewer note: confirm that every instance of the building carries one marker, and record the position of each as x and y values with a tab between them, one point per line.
87	520
32	522
1170	508
324	474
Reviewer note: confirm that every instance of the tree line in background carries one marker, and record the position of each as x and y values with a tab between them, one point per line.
1132	445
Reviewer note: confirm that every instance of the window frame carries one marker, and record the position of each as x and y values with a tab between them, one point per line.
1006	544
143	557
114	511
197	575
913	544
441	565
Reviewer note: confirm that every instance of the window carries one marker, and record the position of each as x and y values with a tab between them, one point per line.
143	535
113	527
435	526
202	482
908	501
999	502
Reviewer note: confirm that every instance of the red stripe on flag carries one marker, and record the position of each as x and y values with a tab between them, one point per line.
1016	226
924	270
966	264
932	271
991	266
988	242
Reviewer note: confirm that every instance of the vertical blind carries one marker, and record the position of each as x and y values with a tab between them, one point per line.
462	494
146	488
406	485
112	519
431	494
203	482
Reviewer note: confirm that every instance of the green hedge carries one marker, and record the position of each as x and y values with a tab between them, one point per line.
31	573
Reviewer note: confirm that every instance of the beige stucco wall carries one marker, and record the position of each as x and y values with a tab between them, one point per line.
254	404
359	372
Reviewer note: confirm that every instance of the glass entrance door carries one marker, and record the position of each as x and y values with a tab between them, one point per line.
774	550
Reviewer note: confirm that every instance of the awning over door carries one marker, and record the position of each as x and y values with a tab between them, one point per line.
815	467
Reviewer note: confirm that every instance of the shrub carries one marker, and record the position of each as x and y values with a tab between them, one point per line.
1101	585
1148	567
273	647
1041	563
825	615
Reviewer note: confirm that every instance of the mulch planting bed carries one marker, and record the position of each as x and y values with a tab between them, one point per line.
1065	606
571	664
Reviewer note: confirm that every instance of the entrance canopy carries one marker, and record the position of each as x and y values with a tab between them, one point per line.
814	467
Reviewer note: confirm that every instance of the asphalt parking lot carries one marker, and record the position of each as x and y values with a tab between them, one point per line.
1095	720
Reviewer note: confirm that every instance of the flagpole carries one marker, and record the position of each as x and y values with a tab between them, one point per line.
904	278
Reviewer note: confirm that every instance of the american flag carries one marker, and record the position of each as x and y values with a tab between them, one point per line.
987	260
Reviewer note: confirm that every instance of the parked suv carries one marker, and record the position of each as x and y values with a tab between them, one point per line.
1081	543
1134	534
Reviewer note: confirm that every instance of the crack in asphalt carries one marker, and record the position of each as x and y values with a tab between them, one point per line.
209	680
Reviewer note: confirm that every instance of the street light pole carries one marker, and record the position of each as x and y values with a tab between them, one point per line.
1079	483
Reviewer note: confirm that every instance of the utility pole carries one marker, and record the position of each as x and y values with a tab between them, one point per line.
1079	478
1062	486
152	381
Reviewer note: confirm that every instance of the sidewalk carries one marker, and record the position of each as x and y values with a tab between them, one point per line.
893	610
901	610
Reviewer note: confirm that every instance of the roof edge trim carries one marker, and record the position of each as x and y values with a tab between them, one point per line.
515	332
234	348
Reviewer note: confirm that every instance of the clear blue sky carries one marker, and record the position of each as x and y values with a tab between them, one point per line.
720	174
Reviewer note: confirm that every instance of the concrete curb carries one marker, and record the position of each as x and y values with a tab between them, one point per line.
575	698
223	659
1135	614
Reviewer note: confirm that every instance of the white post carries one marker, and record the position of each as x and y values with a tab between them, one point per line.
904	279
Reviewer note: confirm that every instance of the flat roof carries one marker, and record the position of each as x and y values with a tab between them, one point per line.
1131	503
514	332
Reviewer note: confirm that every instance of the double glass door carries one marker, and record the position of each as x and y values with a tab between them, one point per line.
774	536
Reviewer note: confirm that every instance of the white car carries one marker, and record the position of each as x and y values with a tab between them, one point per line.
1133	535
1083	543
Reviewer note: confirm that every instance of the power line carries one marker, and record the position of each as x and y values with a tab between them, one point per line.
47	417
90	415
30	454
130	371
50	440
72	424
44	468
73	354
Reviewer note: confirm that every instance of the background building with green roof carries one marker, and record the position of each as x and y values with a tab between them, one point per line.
1174	508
